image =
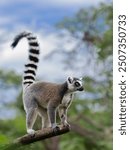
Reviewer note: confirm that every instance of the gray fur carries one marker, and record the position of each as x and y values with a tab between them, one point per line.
44	98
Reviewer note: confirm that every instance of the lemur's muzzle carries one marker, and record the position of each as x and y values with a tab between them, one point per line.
81	89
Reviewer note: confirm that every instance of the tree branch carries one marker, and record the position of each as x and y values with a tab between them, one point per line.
41	135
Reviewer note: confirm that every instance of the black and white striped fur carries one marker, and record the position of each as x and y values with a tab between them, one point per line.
44	98
33	58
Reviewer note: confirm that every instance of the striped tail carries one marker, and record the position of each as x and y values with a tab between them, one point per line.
34	51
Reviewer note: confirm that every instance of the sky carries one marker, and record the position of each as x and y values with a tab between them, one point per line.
39	17
40	12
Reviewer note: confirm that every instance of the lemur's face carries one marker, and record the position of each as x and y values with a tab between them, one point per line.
75	84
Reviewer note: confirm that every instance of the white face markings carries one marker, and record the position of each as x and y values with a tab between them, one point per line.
75	84
80	83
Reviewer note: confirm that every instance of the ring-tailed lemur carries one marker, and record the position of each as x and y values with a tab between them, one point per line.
44	98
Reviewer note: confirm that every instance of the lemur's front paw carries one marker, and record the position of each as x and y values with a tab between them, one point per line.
31	132
65	124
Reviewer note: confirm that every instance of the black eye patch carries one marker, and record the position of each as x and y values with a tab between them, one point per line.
77	84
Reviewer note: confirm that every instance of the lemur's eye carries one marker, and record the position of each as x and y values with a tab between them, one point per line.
77	84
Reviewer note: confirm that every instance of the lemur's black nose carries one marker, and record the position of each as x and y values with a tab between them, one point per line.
81	89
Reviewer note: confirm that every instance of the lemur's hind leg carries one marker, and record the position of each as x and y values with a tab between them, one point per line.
51	110
31	109
31	116
45	120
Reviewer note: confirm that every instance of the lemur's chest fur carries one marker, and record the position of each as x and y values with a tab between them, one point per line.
67	99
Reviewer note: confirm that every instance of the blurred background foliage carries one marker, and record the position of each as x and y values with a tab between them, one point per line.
90	116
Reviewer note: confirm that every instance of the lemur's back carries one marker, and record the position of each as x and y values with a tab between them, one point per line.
43	91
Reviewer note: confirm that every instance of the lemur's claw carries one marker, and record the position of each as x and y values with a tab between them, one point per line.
67	125
56	128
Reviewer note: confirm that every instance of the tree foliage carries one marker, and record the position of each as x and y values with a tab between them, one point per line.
90	114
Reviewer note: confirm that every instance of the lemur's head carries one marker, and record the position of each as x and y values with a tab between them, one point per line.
75	84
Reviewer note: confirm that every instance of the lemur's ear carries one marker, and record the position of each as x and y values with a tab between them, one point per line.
70	79
81	78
